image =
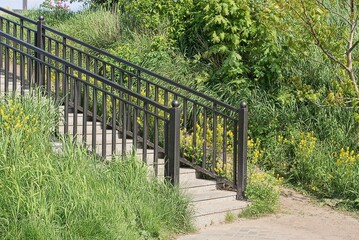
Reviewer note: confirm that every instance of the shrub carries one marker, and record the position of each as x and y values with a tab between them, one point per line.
263	190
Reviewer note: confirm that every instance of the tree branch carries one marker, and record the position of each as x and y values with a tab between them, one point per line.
314	34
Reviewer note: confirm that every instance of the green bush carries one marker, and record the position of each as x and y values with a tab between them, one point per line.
263	191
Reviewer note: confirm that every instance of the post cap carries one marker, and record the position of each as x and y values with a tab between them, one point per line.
175	103
41	18
243	105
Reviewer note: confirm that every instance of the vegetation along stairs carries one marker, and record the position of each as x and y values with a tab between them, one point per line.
115	108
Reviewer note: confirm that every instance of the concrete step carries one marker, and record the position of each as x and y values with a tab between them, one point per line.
216	218
80	128
118	149
211	205
70	120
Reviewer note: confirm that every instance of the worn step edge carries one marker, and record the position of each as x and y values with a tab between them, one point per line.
218	205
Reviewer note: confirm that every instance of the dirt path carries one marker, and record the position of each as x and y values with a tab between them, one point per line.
299	218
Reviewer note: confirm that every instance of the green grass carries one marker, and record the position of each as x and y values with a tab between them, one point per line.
263	191
71	195
230	217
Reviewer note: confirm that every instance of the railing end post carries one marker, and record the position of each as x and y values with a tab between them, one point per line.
242	151
175	104
173	145
243	105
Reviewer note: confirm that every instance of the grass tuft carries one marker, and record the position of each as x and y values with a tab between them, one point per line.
71	195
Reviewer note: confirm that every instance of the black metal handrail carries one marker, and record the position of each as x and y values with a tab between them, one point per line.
81	70
11	48
104	53
214	134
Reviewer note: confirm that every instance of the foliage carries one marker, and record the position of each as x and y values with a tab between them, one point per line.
319	19
293	89
60	5
53	12
203	136
313	165
263	190
98	28
71	195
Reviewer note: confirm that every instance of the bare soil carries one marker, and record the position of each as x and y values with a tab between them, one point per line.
299	217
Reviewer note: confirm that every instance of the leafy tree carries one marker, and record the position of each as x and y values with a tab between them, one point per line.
331	26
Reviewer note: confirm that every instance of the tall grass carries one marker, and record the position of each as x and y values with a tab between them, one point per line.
71	195
98	28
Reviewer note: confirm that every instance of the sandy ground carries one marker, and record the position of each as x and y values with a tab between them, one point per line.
299	217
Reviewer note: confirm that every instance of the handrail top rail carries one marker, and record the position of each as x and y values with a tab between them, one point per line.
144	70
165	79
84	71
18	15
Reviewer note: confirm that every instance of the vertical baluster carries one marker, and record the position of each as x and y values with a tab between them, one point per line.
124	126
145	124
214	140
66	110
1	46
57	87
123	116
113	118
184	109
104	120
14	71
204	146
76	102
64	54
21	33
72	83
7	59
165	114
235	152
194	113
14	64
48	72
85	112
129	86
94	114
155	153
113	115
29	62
22	73
225	145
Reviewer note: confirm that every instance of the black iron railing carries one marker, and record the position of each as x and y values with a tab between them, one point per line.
213	134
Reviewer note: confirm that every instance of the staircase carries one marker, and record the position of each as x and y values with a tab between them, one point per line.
130	110
210	205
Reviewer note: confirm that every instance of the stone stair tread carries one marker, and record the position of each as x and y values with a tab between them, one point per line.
185	170
212	194
186	183
214	218
219	205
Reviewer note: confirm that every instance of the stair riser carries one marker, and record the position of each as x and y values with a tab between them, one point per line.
80	129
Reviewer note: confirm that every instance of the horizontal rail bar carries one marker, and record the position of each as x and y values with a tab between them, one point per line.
155	75
18	15
18	24
97	77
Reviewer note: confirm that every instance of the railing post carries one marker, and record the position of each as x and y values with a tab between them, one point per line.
39	67
242	151
173	145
